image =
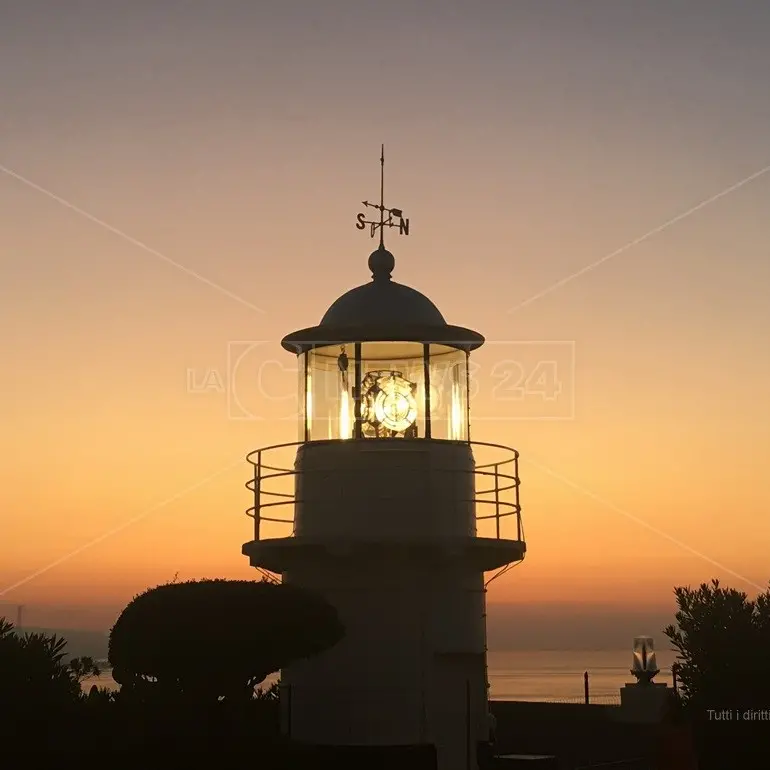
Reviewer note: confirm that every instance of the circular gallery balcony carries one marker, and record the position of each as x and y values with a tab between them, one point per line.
363	497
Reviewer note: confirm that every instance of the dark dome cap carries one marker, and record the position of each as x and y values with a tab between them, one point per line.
382	310
382	301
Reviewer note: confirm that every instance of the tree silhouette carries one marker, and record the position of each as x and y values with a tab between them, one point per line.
211	639
722	640
38	688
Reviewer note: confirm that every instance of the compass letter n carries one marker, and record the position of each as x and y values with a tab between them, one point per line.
403	227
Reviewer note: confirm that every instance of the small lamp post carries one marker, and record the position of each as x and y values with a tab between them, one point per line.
644	700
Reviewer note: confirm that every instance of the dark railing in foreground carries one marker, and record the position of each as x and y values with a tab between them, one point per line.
607	699
496	486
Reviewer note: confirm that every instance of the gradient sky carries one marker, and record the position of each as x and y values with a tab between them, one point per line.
180	176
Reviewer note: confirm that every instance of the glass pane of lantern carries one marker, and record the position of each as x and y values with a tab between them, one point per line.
301	398
644	655
392	390
448	393
328	392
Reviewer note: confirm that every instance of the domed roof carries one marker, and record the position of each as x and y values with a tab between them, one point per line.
382	301
382	310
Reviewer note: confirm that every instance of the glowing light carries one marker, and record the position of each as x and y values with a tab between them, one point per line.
391	400
645	666
345	431
308	401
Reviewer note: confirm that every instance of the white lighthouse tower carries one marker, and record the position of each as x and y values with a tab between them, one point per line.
394	518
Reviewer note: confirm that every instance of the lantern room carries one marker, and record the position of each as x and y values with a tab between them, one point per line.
383	363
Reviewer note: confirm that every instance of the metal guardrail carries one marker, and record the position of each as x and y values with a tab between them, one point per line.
596	700
274	487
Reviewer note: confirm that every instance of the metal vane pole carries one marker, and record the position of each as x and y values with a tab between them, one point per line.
382	197
384	221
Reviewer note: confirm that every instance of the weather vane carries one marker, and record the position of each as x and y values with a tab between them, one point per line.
388	217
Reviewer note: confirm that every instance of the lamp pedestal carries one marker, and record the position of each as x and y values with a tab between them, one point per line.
643	701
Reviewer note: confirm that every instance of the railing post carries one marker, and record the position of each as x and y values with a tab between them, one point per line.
257	493
516	493
585	687
497	500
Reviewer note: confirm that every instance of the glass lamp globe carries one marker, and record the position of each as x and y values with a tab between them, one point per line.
644	666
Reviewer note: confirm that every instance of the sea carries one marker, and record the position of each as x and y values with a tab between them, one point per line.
553	676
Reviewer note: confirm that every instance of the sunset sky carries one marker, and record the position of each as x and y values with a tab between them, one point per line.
179	183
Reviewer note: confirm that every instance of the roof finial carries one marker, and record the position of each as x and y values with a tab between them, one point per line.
402	224
381	263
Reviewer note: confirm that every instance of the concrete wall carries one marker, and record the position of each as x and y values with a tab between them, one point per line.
577	733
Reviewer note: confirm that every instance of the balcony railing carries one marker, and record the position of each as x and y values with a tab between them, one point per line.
495	498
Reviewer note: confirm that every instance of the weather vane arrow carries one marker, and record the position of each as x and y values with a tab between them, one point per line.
388	217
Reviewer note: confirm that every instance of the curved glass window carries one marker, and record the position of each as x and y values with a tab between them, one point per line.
374	390
448	393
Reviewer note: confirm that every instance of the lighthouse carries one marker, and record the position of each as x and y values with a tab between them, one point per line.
394	515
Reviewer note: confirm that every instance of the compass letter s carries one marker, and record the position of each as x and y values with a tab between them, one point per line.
360	224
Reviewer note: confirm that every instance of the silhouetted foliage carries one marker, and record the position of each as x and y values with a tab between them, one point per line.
722	640
191	656
38	687
211	639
